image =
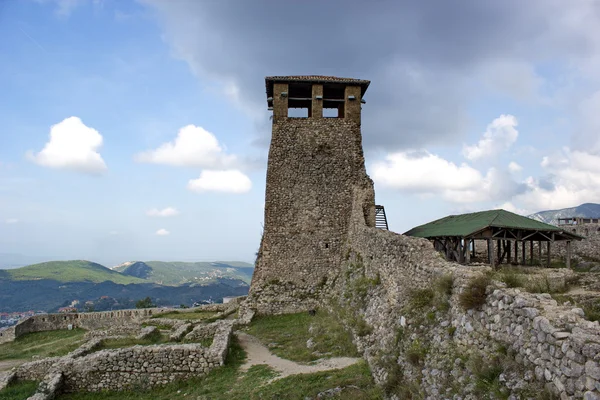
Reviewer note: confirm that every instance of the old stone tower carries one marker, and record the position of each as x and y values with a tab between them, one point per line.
315	170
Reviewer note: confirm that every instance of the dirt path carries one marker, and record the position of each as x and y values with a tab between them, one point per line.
5	365
259	354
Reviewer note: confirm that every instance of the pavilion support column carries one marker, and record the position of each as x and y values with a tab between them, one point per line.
461	254
467	251
516	252
508	251
548	255
499	255
491	253
540	251
473	250
568	254
523	259
531	252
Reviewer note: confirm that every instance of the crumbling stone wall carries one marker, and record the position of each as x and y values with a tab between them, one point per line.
120	319
432	349
314	166
588	248
128	368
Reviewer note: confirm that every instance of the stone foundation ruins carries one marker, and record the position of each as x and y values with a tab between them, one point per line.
90	369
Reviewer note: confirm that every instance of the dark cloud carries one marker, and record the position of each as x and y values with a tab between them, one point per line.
426	60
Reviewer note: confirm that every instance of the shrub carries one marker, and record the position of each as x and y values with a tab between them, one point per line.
444	285
144	303
416	353
511	278
474	296
420	298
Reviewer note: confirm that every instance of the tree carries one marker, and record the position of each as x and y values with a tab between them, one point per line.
144	303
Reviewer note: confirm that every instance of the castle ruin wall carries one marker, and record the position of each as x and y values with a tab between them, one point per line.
549	345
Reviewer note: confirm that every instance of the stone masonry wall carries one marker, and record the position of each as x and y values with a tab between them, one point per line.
314	165
586	248
432	349
89	321
128	368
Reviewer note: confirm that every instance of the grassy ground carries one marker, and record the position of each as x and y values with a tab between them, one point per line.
45	344
19	391
187	316
228	383
131	341
286	336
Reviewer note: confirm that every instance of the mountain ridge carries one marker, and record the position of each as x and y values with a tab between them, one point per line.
585	210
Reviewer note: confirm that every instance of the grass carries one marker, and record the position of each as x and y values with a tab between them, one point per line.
19	391
71	271
187	316
228	383
44	344
474	296
156	338
287	335
421	298
511	277
592	310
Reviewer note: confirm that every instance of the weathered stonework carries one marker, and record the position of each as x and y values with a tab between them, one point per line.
547	345
120	320
140	366
314	166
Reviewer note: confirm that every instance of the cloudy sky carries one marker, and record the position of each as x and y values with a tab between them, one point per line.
139	129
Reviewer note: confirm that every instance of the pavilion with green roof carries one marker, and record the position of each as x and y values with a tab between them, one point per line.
504	231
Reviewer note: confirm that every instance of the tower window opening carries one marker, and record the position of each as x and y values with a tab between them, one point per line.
331	113
300	100
326	245
299	112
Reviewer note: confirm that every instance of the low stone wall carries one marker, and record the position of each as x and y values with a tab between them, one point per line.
89	321
7	334
128	368
119	322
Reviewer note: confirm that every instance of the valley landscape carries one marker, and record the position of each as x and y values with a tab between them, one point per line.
88	286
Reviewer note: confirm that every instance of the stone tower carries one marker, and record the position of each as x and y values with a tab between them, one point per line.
316	167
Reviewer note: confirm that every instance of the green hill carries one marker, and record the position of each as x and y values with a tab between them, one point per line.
69	271
177	273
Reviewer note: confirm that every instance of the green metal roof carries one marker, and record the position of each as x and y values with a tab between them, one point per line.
468	224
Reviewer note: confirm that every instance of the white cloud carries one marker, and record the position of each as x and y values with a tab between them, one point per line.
165	212
498	137
113	233
573	178
509	206
424	172
194	146
73	146
514	167
162	232
230	181
12	221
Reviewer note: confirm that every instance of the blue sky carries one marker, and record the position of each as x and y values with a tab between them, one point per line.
160	129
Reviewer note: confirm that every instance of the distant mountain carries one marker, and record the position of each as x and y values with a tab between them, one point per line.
69	271
48	295
178	273
586	210
49	285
